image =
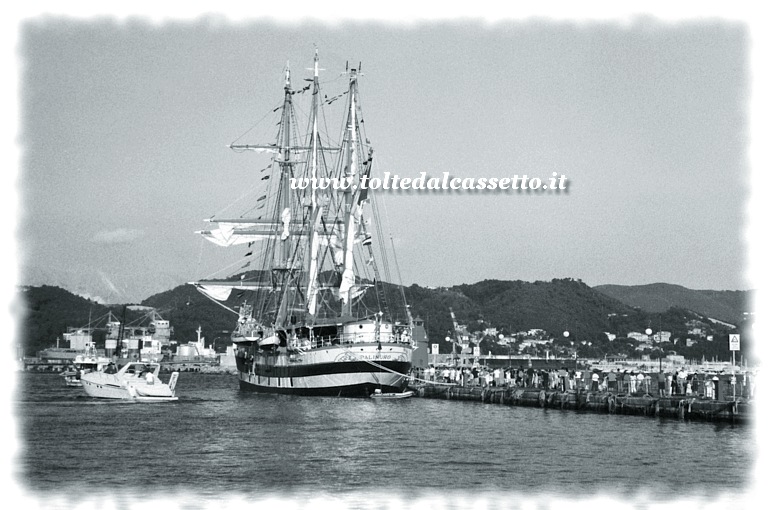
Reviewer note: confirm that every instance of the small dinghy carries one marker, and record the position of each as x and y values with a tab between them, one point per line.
378	394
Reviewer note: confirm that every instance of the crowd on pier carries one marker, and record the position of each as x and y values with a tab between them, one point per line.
664	383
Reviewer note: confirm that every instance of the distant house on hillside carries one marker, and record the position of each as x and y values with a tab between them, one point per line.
696	327
533	343
639	337
505	340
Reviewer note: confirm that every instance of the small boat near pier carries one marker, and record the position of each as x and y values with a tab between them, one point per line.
379	395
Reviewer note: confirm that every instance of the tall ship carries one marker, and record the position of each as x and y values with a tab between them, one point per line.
316	316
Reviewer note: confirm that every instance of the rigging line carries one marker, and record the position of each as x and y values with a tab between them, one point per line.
395	255
95	322
255	125
227	267
398	270
220	304
381	240
248	192
325	131
435	383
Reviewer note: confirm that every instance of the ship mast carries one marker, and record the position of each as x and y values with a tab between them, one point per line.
284	202
315	215
351	167
285	165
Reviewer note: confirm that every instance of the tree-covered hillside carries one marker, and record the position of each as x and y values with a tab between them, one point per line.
509	307
726	305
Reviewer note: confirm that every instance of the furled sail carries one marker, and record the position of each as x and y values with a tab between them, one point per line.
221	289
348	276
312	290
231	234
315	243
218	292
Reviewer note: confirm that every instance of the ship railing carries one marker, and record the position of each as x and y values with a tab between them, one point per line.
354	338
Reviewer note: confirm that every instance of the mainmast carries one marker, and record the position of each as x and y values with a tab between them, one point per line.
316	212
351	169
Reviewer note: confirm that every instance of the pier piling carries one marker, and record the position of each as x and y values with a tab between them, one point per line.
679	407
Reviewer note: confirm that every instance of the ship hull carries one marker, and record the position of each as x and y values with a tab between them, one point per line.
333	371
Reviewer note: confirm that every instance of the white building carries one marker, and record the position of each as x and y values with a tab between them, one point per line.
78	338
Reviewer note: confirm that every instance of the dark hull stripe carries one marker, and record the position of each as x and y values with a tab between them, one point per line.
354	390
339	367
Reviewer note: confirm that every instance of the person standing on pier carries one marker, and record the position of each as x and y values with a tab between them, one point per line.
661	384
612	381
682	381
750	384
733	381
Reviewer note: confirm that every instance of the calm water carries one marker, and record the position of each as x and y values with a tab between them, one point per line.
219	441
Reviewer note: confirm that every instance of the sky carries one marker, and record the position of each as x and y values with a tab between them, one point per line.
123	126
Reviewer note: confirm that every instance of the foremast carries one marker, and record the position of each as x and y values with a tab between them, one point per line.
282	270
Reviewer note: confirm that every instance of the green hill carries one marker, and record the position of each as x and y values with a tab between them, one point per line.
724	305
509	307
47	312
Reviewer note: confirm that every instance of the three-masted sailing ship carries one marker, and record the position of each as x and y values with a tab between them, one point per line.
316	318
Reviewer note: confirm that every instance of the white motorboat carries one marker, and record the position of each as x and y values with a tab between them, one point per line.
136	381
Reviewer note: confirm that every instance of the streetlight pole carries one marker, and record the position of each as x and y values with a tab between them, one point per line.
566	335
648	331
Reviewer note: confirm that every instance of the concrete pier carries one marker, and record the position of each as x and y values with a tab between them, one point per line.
680	407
